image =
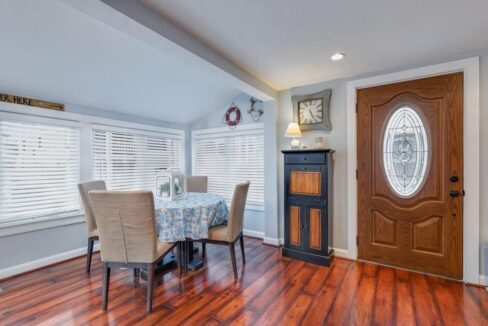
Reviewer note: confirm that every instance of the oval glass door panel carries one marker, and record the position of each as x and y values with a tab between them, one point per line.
405	151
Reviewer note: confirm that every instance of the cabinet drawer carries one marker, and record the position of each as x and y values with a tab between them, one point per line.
305	159
305	182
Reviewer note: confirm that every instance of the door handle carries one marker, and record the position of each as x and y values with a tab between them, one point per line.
454	193
454	178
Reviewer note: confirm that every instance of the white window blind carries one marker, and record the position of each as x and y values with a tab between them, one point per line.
131	159
230	157
39	170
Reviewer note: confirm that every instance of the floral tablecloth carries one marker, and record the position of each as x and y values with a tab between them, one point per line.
190	217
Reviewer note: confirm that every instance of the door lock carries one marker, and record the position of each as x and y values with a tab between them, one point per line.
454	193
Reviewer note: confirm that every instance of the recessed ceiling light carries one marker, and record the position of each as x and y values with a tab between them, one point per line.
338	56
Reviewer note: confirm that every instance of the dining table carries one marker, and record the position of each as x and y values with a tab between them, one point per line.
190	218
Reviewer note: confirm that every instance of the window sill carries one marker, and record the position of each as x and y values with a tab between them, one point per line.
254	207
20	227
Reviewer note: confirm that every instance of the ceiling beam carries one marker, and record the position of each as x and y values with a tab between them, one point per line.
141	22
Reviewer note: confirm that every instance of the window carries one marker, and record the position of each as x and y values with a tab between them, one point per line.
405	151
39	169
230	157
130	158
44	154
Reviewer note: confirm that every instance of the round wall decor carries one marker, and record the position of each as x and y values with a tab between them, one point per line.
233	116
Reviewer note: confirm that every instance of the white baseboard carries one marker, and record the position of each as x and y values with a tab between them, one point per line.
22	268
341	253
271	241
484	280
253	234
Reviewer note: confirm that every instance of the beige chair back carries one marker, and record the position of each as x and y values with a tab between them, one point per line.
126	225
196	183
84	188
235	223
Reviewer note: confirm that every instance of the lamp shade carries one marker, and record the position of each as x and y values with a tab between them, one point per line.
293	130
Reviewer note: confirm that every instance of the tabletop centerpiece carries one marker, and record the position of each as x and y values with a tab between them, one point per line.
171	184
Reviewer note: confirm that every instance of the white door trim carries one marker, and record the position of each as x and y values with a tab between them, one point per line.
470	67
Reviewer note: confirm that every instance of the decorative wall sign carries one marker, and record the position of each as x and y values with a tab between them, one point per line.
31	102
312	112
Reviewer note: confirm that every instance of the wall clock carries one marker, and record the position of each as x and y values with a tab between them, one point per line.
312	112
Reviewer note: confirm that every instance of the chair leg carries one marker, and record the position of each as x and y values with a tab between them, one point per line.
204	250
187	255
150	284
242	249
179	253
89	253
233	257
136	272
106	285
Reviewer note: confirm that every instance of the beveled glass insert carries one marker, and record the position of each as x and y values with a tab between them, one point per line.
405	151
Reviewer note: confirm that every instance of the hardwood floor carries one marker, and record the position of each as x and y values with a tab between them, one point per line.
271	290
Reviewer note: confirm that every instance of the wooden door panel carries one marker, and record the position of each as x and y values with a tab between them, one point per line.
384	230
420	229
315	228
427	235
295	225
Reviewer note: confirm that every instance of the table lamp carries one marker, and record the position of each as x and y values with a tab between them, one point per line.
293	131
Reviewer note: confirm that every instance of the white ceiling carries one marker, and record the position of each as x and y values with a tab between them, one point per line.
53	51
288	43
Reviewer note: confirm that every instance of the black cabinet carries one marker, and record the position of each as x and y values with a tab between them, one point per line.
308	205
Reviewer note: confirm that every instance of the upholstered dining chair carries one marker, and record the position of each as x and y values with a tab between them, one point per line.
91	224
230	233
128	236
196	183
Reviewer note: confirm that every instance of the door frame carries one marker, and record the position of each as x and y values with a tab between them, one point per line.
471	139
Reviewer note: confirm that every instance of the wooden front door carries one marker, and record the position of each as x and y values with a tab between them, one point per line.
410	174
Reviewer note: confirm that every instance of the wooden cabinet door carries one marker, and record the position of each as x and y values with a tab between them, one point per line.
315	225
410	174
305	182
294	226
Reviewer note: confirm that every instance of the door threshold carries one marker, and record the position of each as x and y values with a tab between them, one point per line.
414	271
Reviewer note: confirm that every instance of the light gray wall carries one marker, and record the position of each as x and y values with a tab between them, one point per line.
26	247
216	118
336	139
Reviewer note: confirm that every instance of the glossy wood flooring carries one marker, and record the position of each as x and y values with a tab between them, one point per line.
272	290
